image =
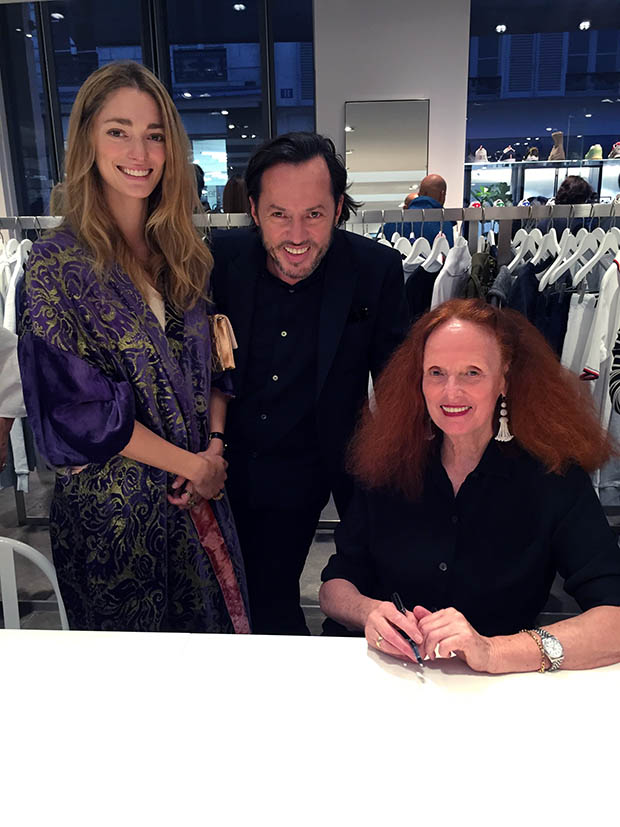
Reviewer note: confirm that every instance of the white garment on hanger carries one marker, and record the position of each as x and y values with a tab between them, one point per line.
601	340
580	321
455	271
11	397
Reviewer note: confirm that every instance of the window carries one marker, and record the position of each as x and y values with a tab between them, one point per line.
293	55
26	102
87	35
217	85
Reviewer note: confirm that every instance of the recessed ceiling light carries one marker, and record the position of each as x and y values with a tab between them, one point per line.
580	136
231	126
56	15
549	129
253	136
528	139
588	114
186	94
537	139
28	35
518	143
348	129
607	100
205	95
500	29
584	25
224	112
244	136
18	30
239	7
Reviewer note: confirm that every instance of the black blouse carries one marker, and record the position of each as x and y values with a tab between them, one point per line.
492	551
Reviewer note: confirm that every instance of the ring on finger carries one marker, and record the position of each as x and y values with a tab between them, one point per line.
379	639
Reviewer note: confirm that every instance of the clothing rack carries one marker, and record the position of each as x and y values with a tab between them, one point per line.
373	220
471	220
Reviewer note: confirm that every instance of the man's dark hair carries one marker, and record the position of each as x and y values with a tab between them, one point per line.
296	148
575	190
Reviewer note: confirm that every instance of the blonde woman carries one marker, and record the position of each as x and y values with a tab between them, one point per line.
115	356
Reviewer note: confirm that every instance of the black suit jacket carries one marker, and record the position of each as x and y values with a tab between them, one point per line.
363	317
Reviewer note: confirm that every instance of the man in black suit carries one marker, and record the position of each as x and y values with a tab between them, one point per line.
315	309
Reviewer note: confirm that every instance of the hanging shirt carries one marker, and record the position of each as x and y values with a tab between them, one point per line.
453	275
580	320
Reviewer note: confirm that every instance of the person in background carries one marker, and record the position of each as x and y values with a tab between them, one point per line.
476	492
200	179
235	196
114	355
431	196
315	310
575	190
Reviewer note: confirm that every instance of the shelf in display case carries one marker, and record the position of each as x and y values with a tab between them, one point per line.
512	181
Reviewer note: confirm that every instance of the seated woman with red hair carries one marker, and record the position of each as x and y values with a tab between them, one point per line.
468	524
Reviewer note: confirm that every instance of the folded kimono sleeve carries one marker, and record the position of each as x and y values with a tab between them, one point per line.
77	414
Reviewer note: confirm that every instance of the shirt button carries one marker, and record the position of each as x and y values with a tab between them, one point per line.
290	290
455	519
283	333
263	417
275	377
443	567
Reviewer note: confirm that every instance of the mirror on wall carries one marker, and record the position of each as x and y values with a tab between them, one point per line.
386	145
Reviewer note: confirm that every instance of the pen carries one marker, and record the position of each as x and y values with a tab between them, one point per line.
401	608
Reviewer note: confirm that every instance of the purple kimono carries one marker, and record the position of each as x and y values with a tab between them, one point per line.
94	360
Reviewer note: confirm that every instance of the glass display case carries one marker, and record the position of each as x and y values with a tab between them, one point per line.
512	181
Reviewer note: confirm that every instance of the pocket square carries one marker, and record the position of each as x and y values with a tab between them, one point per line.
358	313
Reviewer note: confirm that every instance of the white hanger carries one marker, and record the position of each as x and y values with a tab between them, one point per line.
395	237
383	240
589	244
549	247
420	248
529	245
403	245
609	244
440	247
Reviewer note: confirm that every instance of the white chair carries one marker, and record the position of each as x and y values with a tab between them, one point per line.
8	582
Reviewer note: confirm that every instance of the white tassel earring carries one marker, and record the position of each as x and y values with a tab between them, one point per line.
503	435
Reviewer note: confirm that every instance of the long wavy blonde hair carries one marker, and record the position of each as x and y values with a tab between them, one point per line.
180	262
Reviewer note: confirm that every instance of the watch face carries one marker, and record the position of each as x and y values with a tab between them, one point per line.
553	648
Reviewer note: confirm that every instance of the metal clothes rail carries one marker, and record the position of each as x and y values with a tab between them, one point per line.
471	219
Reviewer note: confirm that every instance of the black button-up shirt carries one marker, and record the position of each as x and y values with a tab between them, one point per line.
491	552
275	413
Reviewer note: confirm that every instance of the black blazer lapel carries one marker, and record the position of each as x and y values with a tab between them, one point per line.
340	280
240	290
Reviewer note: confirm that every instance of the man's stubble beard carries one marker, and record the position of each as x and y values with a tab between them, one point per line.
294	273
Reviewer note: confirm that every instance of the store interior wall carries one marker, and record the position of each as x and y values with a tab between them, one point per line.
397	50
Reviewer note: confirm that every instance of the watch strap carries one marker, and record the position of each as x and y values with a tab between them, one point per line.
557	660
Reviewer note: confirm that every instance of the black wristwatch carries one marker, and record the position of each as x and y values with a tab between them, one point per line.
217	435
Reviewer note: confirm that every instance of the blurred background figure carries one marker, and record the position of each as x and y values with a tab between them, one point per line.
235	197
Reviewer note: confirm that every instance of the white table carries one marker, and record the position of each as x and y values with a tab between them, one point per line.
148	729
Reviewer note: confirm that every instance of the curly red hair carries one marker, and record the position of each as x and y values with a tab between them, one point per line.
550	411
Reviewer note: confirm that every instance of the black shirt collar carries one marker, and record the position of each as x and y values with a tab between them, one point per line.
497	460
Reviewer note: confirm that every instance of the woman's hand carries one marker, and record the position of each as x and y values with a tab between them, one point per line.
448	631
381	627
206	483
